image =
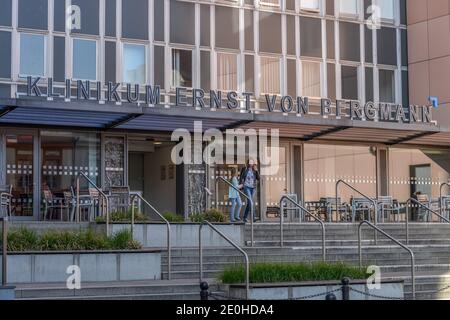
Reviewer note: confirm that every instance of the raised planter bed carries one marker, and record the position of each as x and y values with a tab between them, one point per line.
95	266
308	290
183	235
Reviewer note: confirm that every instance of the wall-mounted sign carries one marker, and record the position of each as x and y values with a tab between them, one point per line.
232	100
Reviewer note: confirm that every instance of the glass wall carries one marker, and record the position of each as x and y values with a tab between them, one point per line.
324	165
64	155
415	170
19	172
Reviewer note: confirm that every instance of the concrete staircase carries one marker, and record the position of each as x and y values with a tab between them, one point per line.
127	290
429	242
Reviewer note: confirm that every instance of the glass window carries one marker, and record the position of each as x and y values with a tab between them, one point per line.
181	68
349	7
311	41
349	41
387	86
325	164
19	172
110	61
404	41
311	79
158	67
405	89
387	46
32	53
89	16
227	27
135	19
272	3
290	5
226	71
5	13
158	20
349	78
309	5
369	84
84	59
270	75
110	18
330	7
182	22
205	72
331	81
205	25
270	32
291	77
5	54
369	45
134	64
59	59
249	73
33	14
64	154
416	170
330	40
290	34
59	19
248	21
387	9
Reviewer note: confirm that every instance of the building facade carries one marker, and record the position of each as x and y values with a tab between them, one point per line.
103	93
429	53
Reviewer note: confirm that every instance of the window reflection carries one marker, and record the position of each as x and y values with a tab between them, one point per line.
415	170
64	155
326	164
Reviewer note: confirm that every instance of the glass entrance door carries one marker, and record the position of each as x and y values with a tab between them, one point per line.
275	181
20	174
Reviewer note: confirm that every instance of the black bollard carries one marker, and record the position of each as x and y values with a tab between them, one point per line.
204	290
345	289
330	296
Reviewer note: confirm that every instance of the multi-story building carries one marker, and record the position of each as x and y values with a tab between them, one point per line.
68	101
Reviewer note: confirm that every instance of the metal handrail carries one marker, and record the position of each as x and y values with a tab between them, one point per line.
376	229
244	195
4	251
322	224
82	174
375	205
412	200
440	195
200	251
169	250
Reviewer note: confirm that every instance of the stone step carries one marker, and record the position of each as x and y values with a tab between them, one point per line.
288	242
150	290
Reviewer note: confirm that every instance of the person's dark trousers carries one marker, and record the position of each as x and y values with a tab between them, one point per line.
249	192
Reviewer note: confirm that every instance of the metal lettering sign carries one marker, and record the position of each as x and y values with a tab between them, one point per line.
231	100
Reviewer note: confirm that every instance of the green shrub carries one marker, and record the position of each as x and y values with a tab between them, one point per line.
20	240
124	216
292	272
215	215
173	217
212	215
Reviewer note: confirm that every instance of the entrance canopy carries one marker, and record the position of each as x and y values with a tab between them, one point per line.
108	117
